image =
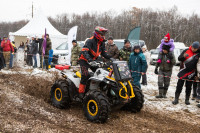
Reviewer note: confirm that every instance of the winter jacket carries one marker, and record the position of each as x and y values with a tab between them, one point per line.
112	50
92	49
170	43
7	46
124	53
75	52
34	49
164	66
147	57
189	64
137	62
40	45
48	47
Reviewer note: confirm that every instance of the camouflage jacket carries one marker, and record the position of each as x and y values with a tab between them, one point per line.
112	50
124	53
75	51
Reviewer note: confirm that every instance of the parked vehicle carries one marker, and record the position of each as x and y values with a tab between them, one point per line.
179	47
60	54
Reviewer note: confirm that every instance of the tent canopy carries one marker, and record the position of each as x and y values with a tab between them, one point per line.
36	27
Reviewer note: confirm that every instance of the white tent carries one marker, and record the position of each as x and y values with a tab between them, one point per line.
36	27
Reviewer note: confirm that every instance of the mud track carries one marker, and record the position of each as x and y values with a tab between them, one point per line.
25	107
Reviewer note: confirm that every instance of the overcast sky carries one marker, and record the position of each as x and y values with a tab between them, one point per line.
13	10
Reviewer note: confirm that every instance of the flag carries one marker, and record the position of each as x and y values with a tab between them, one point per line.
71	36
44	43
134	36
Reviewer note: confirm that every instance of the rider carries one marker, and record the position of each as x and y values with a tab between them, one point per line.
93	47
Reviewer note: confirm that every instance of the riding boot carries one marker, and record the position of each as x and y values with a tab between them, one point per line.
187	102
165	92
160	95
81	90
176	98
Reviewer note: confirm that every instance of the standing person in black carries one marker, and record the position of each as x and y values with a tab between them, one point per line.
189	59
40	41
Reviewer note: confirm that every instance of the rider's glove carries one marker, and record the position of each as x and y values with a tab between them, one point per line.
93	63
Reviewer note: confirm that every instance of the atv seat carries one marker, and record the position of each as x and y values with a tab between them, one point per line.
62	67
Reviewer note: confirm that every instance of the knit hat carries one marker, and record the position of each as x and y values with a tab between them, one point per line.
166	47
144	46
136	47
110	38
168	37
126	41
195	45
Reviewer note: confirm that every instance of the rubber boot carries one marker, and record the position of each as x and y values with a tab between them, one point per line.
165	92
160	95
176	99
187	102
81	90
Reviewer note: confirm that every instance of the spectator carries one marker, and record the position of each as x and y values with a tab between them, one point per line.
137	63
40	49
1	57
147	57
169	42
165	72
112	49
7	49
21	46
12	55
125	52
189	58
34	51
29	60
48	47
75	51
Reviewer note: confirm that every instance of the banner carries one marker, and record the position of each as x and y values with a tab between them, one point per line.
71	36
134	35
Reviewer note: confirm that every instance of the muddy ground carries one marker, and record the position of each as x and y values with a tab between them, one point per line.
25	107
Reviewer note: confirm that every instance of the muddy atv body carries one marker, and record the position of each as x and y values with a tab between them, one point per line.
110	87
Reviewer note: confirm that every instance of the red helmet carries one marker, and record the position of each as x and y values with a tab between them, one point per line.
101	30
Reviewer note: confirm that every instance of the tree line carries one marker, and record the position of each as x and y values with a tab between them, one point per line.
154	25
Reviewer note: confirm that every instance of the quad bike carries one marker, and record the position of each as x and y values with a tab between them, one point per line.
109	87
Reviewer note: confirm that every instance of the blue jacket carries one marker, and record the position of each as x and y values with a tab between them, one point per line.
137	62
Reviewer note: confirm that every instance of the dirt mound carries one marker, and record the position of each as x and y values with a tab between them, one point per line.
25	107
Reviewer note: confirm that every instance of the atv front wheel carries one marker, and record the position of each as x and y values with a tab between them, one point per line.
96	106
59	94
136	103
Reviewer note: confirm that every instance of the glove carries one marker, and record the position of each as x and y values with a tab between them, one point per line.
93	63
156	70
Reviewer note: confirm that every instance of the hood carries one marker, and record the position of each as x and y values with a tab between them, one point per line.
167	43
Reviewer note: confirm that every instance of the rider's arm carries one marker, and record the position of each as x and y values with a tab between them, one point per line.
85	50
104	53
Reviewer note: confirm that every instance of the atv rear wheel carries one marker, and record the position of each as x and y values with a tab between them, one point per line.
136	103
96	106
59	94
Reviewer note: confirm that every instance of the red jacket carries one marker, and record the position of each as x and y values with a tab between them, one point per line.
7	46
